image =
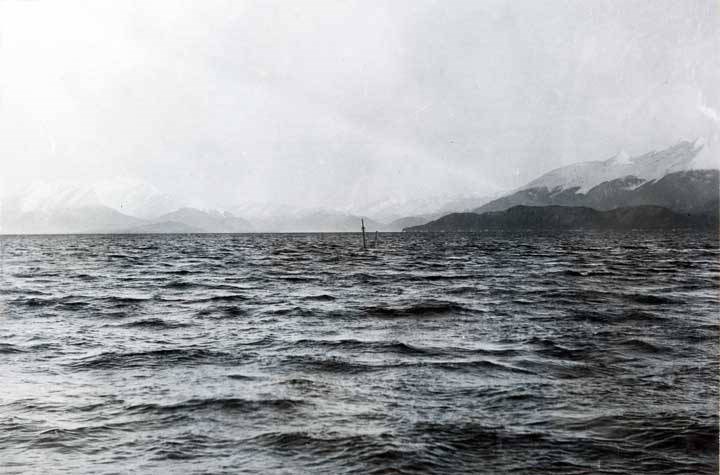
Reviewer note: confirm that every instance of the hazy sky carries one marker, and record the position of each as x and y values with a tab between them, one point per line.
343	102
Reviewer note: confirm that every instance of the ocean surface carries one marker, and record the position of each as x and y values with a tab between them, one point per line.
478	353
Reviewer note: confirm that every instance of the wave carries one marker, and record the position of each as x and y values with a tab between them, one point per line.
221	298
650	299
180	285
242	377
222	312
152	359
154	323
312	364
32	302
427	308
419	277
483	366
298	278
33	275
75	302
367	346
572	273
320	298
119	301
429	354
462	290
640	316
217	404
9	349
636	344
660	431
182	272
11	291
70	303
551	349
296	311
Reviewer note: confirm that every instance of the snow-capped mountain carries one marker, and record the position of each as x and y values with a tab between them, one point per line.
77	219
668	178
65	207
132	197
650	166
136	198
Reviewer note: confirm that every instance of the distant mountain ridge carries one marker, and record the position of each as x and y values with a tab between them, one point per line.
206	221
690	191
388	215
129	205
657	189
130	197
402	223
650	166
567	217
390	210
102	219
65	220
667	179
162	227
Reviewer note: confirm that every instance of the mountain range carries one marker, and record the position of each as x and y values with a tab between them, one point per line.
668	178
659	178
691	191
104	208
654	189
568	217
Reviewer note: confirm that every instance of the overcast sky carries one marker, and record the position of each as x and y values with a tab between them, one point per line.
336	103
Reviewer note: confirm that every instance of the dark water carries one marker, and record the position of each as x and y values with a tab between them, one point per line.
573	353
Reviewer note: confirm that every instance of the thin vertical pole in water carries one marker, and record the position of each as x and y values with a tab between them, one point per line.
362	223
376	236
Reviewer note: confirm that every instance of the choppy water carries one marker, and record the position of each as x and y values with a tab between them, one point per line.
572	353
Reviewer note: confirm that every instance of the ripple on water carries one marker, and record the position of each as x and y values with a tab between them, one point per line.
483	353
